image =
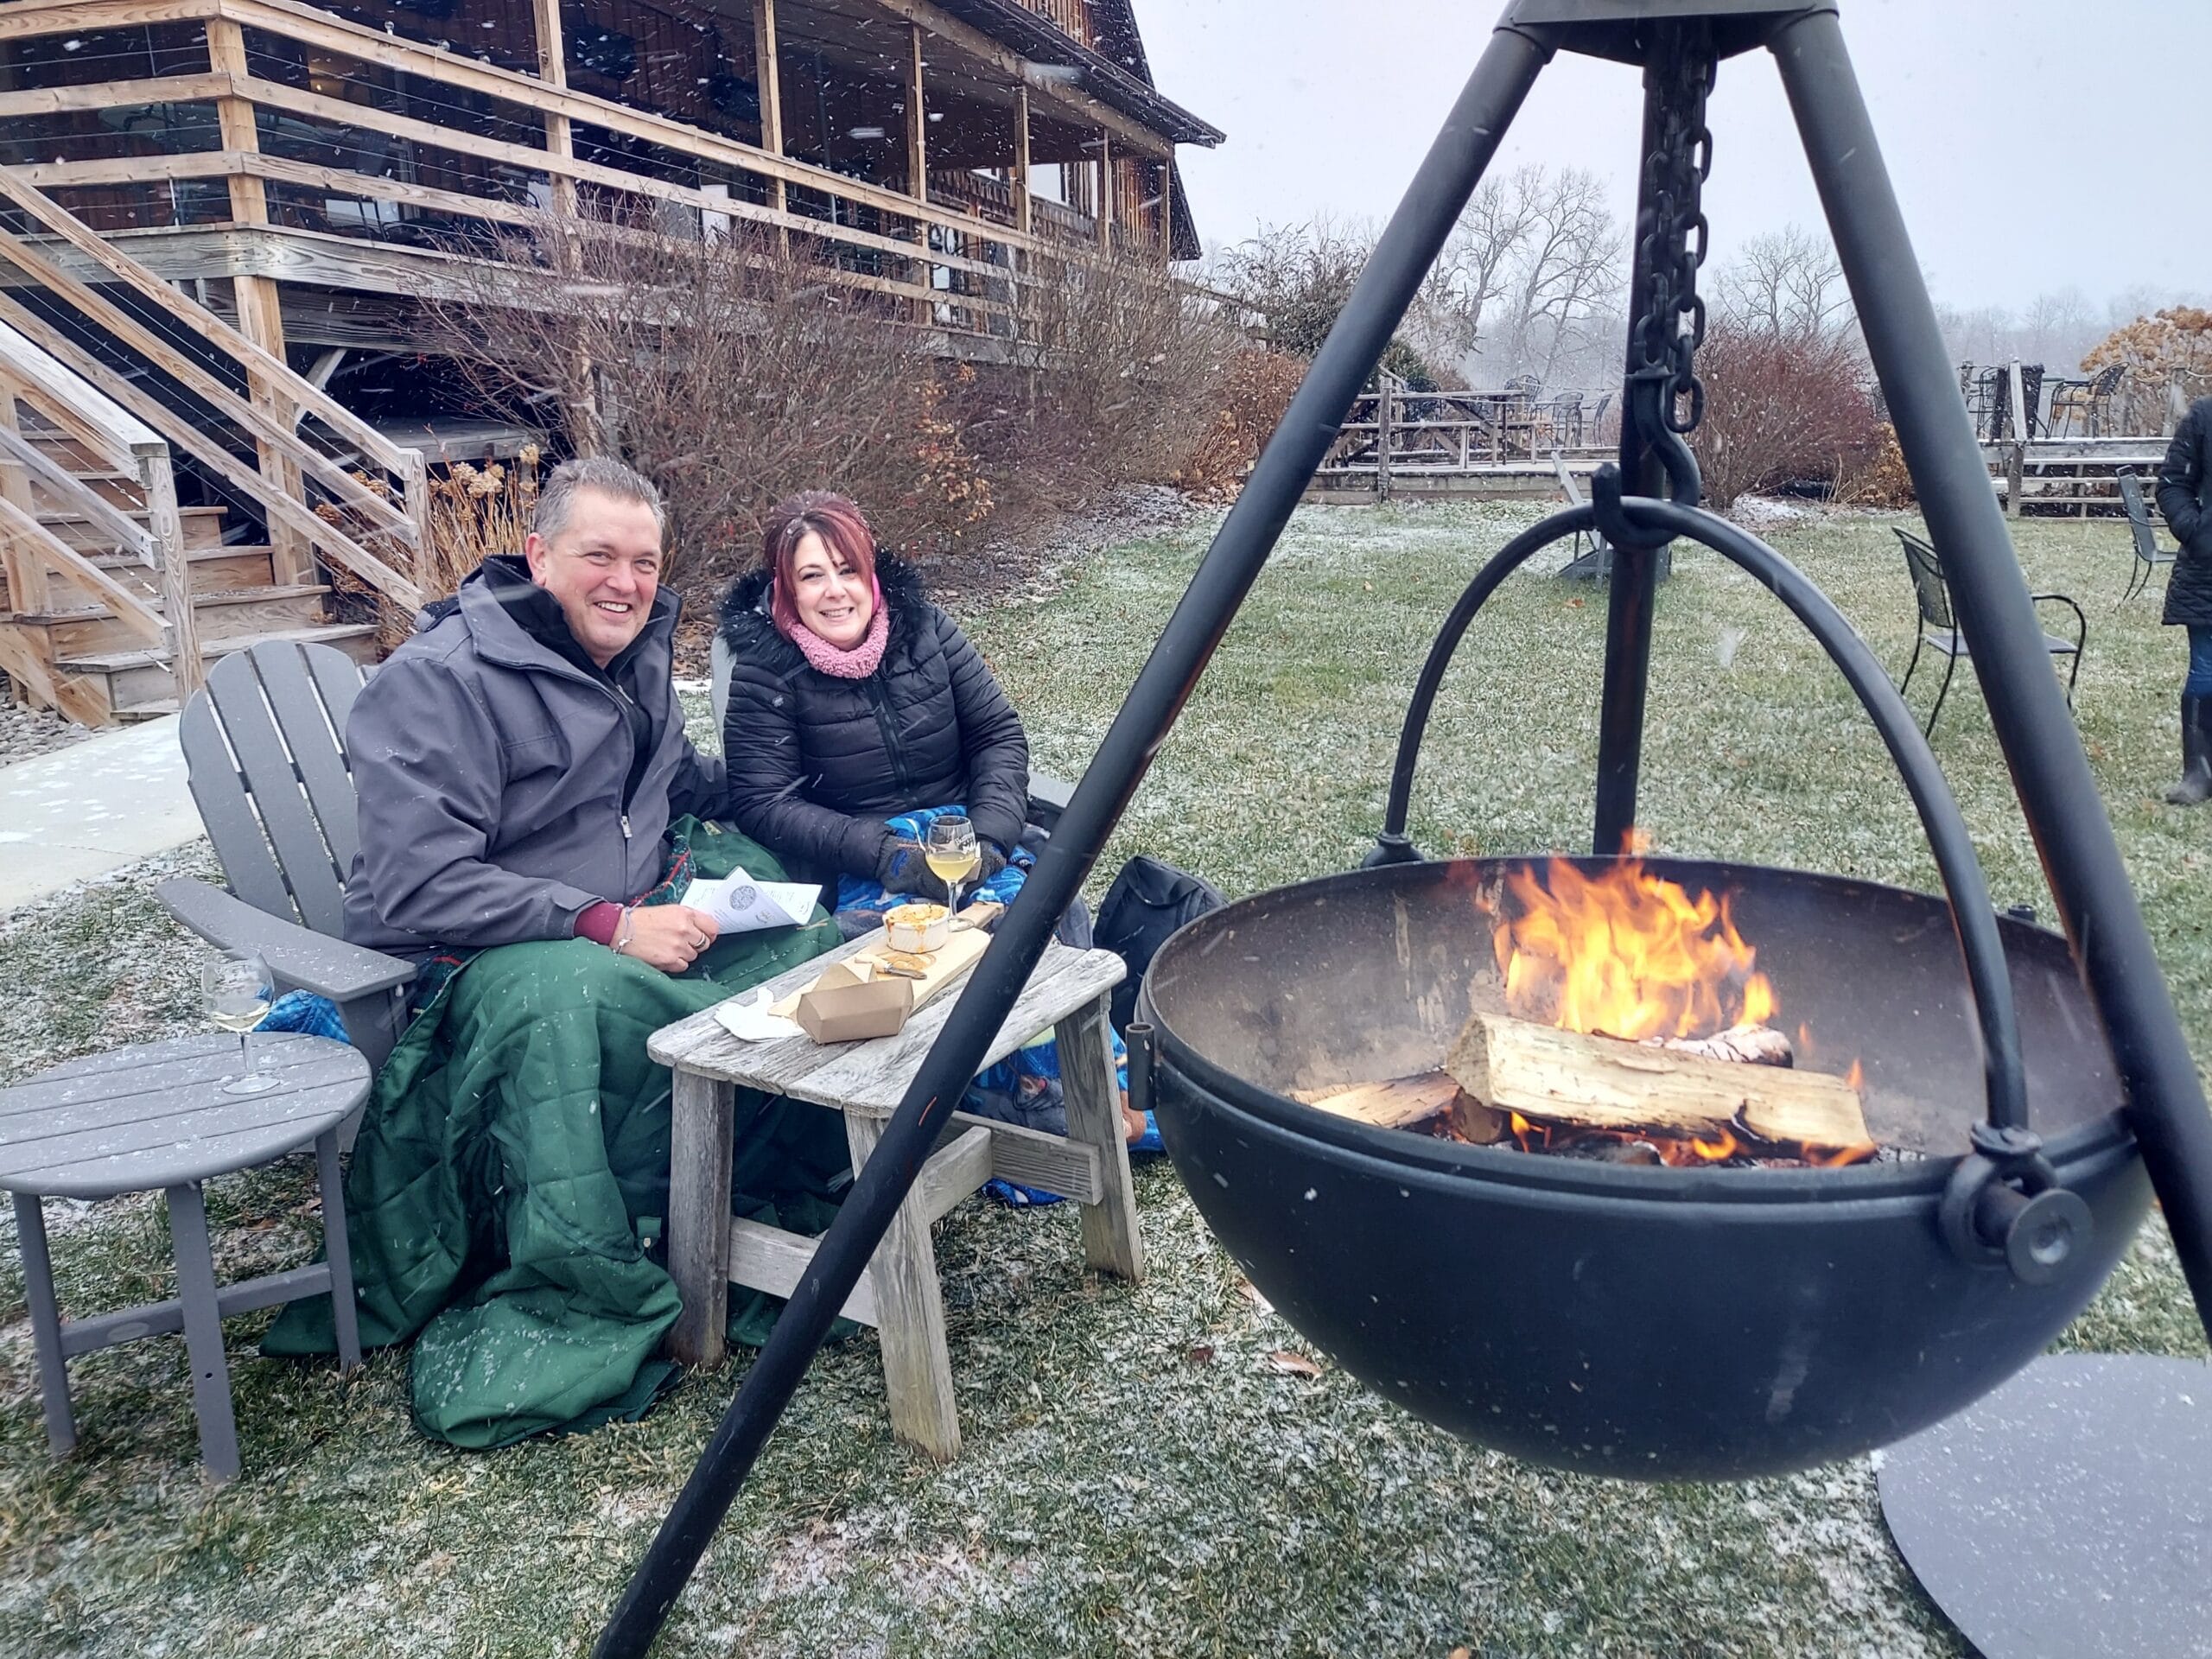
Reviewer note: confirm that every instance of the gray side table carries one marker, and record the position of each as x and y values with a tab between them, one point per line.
168	1115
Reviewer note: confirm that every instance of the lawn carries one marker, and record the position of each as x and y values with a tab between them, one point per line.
1140	1475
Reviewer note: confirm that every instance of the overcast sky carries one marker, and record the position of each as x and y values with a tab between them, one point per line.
2035	144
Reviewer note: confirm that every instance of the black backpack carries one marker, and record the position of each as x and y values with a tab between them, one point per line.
1148	901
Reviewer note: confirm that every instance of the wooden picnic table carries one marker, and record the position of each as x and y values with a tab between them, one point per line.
710	1249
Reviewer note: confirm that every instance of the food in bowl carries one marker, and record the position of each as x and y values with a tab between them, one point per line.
918	929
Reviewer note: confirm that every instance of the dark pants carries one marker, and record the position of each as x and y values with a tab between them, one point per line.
2199	683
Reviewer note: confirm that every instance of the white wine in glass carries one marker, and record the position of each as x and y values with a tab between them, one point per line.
234	988
951	854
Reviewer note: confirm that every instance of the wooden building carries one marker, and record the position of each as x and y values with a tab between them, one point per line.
217	217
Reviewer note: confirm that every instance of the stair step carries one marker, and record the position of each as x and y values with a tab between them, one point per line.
65	451
203	527
221	570
212	570
116	489
92	628
139	683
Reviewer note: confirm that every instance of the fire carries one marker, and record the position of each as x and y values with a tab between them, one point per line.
1625	953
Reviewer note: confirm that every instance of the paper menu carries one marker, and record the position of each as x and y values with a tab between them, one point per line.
740	904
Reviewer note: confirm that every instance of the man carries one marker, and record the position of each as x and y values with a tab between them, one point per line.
519	760
2184	490
530	810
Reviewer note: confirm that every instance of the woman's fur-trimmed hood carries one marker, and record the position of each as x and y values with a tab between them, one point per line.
746	626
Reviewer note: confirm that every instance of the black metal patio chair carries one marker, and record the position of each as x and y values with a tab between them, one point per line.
2090	399
1939	630
2148	554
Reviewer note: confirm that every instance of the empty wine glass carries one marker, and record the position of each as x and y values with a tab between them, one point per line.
951	853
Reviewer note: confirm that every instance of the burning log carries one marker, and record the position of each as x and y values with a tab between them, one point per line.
1744	1045
1569	1077
1400	1104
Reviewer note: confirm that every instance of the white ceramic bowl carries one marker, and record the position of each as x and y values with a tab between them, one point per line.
917	928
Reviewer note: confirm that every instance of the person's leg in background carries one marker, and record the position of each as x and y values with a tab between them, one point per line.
2195	784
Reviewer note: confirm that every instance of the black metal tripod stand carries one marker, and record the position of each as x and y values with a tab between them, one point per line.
1677	42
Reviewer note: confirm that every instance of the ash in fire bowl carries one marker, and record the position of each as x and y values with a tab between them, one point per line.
1634	1025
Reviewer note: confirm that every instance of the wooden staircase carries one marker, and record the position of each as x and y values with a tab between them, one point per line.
64	640
113	596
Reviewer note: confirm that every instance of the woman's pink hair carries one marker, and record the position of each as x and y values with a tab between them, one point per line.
843	531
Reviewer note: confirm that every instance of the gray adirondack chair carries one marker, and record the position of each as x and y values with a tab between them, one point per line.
264	748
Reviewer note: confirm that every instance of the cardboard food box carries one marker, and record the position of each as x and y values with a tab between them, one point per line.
843	1007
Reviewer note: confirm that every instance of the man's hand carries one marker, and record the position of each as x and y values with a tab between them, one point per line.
669	937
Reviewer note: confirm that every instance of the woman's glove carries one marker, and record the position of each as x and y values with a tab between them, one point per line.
901	868
994	862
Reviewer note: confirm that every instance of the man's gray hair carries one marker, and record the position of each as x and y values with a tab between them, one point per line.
556	496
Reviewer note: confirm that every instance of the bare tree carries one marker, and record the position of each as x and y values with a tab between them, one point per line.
1787	284
2057	328
1532	270
1475	270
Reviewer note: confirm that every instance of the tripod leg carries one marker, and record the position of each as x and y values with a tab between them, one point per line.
2058	795
1393	274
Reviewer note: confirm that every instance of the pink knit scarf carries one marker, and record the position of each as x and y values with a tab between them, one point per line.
855	664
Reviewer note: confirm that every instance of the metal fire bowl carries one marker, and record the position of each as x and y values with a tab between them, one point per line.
1644	1323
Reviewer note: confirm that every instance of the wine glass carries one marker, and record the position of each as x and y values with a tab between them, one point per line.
235	990
951	854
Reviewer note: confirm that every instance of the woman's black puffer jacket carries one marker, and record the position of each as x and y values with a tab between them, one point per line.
817	763
2184	490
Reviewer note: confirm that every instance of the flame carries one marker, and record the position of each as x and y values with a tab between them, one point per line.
1714	1151
1856	1076
1625	953
1839	1156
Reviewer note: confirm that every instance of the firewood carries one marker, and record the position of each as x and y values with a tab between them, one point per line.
1744	1045
1476	1123
1566	1077
1397	1105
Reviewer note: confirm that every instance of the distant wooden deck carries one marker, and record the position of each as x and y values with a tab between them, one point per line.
2069	477
1471	445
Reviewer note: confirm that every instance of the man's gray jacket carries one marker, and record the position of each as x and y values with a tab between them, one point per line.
491	771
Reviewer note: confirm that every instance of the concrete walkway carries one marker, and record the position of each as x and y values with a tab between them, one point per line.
92	807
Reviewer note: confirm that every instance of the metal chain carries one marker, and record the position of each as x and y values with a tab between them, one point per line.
1670	318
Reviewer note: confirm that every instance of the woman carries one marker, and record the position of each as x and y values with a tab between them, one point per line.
2185	499
853	699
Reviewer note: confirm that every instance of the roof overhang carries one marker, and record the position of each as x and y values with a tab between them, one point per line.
1055	55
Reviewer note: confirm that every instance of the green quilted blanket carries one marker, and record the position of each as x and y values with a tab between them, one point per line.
512	1171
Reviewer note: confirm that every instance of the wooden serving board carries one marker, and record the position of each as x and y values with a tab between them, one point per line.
961	952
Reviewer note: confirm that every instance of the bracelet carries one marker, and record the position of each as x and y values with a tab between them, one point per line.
626	930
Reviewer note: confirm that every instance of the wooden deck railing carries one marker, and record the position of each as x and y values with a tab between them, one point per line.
956	262
1467	431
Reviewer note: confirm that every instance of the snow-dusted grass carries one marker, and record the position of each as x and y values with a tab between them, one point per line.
1137	1475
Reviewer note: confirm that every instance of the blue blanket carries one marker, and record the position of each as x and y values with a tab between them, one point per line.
865	892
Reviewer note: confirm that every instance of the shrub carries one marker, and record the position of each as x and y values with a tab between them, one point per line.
1255	390
1783	410
1124	373
2171	350
1883	481
729	373
1299	278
